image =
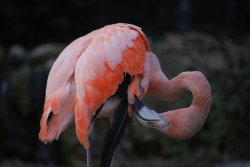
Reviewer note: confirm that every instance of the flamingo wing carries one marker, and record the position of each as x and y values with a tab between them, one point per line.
114	51
60	90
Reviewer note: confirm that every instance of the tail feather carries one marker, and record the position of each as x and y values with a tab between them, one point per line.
82	121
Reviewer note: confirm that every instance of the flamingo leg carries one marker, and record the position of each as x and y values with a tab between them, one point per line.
115	133
89	157
89	160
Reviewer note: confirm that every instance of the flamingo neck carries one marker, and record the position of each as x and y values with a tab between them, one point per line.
187	121
197	84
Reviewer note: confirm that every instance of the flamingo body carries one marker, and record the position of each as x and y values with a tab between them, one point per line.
105	74
89	71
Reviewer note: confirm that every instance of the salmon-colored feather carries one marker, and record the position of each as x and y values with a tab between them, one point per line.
116	49
60	91
88	72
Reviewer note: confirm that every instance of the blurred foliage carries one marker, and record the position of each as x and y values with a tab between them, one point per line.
225	134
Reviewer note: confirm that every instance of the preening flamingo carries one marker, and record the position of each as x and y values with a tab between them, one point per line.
105	74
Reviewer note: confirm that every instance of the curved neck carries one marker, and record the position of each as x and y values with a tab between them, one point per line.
197	84
171	90
186	121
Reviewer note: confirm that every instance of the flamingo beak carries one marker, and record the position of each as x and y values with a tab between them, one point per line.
149	117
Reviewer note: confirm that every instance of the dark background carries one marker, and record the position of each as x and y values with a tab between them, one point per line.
212	36
33	22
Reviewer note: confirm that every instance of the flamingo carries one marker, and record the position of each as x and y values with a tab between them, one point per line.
106	73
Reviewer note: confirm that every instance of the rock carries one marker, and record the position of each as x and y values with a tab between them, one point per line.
17	51
44	55
16	55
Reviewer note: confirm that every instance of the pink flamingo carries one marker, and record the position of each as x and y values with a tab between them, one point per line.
105	74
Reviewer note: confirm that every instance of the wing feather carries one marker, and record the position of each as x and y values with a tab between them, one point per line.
60	90
91	68
100	69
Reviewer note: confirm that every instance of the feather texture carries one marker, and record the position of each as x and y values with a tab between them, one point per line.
115	50
88	72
